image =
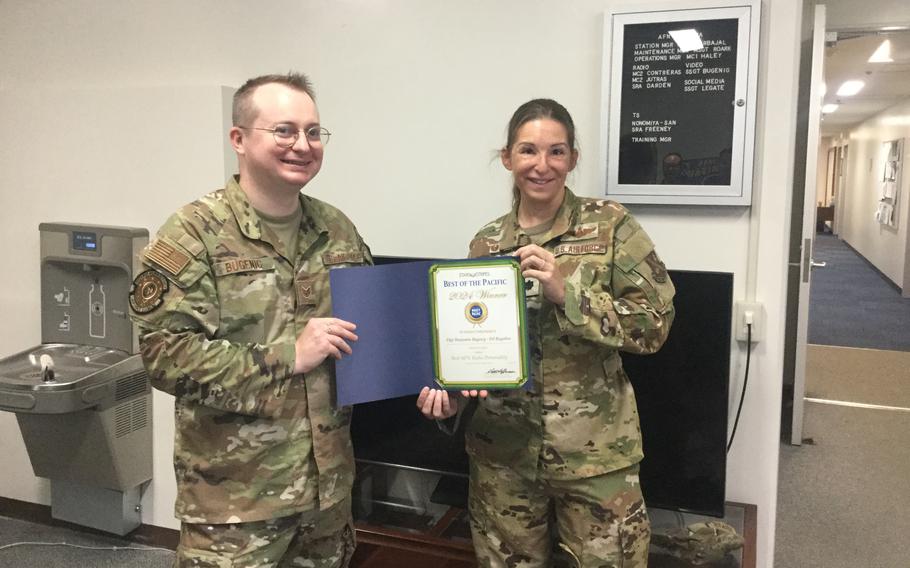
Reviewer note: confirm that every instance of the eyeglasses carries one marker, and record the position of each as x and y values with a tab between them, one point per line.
286	135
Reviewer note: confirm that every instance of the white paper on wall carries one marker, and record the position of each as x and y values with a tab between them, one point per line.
884	213
890	185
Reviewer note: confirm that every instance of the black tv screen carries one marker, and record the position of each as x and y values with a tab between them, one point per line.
682	401
682	398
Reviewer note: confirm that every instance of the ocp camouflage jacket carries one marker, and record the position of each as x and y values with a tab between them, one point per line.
219	310
579	418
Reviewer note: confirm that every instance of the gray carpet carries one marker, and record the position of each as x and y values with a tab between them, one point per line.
852	305
25	556
844	502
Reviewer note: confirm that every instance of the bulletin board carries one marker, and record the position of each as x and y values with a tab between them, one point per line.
892	164
680	117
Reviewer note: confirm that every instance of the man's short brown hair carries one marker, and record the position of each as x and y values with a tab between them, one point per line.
243	112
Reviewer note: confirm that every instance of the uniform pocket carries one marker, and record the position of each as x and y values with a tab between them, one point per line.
635	537
250	303
196	558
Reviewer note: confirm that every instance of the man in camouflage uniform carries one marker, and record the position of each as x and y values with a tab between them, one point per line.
235	322
554	469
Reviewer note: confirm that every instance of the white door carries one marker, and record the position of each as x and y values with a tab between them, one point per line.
808	233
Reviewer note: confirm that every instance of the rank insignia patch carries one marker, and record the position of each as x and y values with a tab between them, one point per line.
147	291
306	296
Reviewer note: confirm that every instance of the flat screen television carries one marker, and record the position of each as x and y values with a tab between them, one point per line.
682	401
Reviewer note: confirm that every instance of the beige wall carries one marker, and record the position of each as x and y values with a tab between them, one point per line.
884	246
416	93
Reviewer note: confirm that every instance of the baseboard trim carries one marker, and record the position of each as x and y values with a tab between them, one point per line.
148	535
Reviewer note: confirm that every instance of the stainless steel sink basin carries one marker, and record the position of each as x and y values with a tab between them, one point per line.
62	377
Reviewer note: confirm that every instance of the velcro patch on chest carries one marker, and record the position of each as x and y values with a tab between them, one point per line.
352	257
484	247
580	248
306	294
584	231
236	265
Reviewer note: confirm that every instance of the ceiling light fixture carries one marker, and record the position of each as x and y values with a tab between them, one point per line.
894	28
850	88
687	40
829	108
883	53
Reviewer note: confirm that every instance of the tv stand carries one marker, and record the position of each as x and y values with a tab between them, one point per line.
398	525
410	517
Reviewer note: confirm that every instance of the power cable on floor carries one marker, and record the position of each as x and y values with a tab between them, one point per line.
83	547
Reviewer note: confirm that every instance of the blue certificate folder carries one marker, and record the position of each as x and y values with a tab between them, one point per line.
394	355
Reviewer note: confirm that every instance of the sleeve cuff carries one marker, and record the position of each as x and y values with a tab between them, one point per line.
285	355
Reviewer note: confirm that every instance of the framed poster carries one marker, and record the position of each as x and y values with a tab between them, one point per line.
681	104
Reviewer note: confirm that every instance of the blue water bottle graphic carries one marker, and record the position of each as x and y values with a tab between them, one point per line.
97	310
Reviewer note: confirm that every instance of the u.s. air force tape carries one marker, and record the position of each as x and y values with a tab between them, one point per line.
147	291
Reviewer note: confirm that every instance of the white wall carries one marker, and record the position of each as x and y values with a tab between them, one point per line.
884	246
823	179
851	14
106	155
417	95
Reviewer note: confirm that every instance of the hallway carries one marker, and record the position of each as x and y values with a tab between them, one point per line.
843	498
852	304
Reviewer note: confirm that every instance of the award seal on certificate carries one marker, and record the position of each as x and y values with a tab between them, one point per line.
478	324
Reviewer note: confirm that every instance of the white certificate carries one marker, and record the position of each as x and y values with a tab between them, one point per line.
479	334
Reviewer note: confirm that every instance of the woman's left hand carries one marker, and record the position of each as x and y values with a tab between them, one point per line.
539	263
436	404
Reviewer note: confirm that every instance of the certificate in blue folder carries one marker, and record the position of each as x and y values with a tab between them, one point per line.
393	356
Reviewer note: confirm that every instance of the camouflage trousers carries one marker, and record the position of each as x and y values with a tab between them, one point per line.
597	522
313	539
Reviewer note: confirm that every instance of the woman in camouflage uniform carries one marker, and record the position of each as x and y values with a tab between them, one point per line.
554	469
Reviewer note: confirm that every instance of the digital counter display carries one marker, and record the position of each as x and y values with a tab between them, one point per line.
85	241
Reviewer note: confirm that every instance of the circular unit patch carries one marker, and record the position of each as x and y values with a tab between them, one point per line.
147	291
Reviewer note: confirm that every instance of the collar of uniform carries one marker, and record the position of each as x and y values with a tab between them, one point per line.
312	226
251	224
565	216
